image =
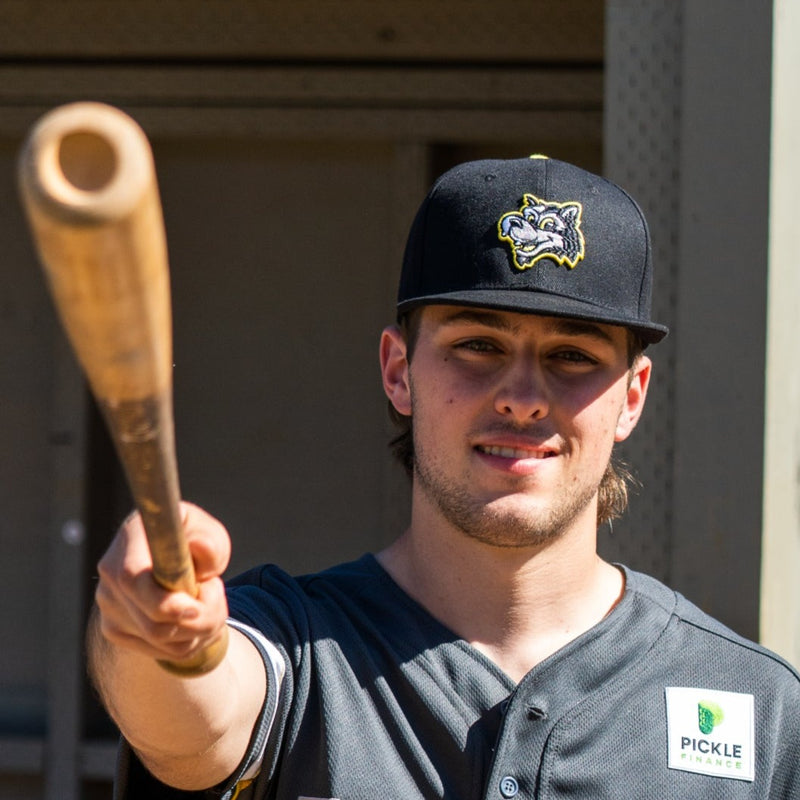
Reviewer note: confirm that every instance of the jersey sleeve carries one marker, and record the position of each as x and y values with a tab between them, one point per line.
275	667
133	781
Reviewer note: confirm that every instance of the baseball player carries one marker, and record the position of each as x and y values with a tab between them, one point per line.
488	652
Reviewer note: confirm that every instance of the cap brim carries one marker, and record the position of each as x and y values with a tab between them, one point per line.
538	302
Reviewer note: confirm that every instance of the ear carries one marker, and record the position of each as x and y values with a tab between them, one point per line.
570	211
394	369
639	380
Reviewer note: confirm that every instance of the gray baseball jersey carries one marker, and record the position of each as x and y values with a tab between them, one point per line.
379	700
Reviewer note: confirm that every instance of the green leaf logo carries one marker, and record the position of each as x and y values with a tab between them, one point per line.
709	715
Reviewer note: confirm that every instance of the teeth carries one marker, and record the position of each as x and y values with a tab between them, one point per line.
511	452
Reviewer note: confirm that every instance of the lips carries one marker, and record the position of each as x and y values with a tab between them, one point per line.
514	452
517	451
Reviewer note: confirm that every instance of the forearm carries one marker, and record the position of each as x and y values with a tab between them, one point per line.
191	733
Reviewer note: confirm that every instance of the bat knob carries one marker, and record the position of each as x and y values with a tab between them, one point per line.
202	662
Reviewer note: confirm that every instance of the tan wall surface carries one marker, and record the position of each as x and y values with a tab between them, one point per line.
293	143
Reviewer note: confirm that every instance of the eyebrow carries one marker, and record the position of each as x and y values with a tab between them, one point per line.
556	325
479	317
579	327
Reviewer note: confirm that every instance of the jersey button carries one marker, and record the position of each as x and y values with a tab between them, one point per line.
508	786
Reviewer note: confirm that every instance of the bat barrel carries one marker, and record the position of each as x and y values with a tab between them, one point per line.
86	163
88	185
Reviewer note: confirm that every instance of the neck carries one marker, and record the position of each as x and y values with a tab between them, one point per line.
517	605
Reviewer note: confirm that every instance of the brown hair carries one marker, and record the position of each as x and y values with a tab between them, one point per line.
612	496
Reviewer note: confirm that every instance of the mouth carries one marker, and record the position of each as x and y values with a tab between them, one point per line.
514	452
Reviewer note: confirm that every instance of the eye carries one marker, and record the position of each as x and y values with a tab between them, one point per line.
477	346
574	357
546	223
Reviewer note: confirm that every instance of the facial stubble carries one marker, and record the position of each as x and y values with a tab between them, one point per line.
499	522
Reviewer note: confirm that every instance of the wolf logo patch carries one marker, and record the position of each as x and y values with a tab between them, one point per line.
543	229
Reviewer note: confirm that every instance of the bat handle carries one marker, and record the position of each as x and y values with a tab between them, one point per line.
146	449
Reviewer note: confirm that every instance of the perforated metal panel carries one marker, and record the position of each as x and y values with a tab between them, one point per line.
642	130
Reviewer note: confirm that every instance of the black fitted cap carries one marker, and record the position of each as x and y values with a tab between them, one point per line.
533	235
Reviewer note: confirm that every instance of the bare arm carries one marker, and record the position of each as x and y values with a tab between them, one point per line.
191	733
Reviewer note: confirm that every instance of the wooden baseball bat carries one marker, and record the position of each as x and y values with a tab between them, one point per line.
88	186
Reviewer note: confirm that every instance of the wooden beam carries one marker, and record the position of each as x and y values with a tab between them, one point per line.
518	31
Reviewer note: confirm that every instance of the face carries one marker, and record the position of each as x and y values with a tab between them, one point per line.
514	418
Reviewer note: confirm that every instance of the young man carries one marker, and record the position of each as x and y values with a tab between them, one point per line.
489	651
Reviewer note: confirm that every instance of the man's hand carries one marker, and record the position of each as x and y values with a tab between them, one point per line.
138	614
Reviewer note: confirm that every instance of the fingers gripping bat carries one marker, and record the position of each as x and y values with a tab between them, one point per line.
89	189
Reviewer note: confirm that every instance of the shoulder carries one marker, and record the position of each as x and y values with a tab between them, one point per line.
702	639
271	600
355	577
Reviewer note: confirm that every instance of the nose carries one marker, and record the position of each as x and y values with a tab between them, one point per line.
522	392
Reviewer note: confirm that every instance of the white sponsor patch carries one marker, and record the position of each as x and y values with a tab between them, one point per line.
711	732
